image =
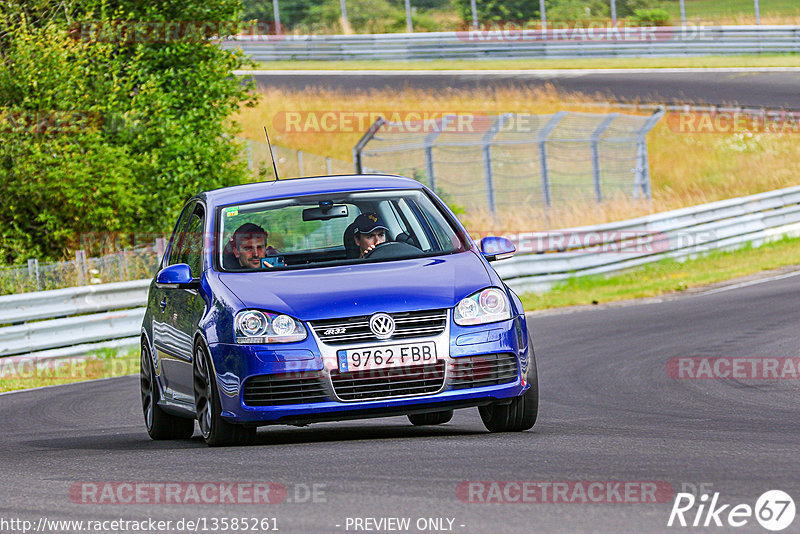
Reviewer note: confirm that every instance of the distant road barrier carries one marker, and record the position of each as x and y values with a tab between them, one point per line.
75	321
545	258
513	44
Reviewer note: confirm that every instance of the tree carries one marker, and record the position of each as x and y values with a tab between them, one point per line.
106	128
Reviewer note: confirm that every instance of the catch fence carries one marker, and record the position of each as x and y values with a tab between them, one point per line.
504	161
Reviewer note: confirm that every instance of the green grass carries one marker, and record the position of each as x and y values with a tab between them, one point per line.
721	9
102	364
667	276
746	61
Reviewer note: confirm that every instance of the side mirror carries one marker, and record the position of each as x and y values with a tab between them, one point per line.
497	248
178	276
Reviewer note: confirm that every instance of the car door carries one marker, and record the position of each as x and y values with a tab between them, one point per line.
162	324
185	309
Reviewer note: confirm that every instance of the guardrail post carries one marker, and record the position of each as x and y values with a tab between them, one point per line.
161	248
642	180
33	272
276	13
123	265
362	143
683	13
474	8
595	139
80	266
497	125
328	165
541	140
543	15
409	23
250	155
614	13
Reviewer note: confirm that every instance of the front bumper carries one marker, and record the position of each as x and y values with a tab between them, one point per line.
235	364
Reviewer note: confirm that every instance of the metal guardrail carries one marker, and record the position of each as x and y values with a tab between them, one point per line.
726	224
511	44
73	321
80	320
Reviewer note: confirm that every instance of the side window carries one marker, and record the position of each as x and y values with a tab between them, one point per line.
191	250
177	235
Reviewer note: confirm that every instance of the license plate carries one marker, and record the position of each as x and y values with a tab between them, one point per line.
386	356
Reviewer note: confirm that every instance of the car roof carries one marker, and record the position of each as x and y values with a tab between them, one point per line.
311	185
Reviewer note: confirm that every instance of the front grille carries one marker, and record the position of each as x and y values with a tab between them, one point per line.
356	329
483	370
395	382
290	388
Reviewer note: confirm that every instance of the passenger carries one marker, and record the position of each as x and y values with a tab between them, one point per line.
370	231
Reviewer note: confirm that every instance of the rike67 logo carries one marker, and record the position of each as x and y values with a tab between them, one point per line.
774	510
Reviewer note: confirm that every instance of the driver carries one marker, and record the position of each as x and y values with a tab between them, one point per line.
249	243
370	231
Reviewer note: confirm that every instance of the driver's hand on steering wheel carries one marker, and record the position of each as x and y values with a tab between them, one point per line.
369	249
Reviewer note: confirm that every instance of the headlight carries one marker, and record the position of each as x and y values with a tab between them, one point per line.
487	306
253	326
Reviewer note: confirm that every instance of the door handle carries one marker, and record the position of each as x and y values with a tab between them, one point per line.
163	304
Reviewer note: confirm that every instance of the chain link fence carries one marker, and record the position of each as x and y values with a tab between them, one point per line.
130	264
496	162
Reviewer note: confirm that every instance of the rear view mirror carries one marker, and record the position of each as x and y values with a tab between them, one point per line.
497	248
325	212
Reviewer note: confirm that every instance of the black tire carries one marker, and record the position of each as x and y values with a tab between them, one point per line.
216	431
160	425
518	416
433	418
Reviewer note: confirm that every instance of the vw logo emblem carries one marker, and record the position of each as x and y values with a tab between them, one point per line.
382	325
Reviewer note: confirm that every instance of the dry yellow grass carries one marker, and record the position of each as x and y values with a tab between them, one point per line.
686	169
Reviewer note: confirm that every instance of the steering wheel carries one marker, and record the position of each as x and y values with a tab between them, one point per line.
392	249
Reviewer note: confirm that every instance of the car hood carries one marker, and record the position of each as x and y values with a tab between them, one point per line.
362	289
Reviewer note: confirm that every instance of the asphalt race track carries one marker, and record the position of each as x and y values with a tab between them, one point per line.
746	87
609	412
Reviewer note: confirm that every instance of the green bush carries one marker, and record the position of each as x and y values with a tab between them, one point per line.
364	16
499	10
421	22
577	10
109	135
652	17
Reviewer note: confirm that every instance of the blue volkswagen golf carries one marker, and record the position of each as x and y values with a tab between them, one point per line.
326	299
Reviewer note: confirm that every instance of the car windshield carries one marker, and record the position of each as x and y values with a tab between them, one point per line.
315	231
